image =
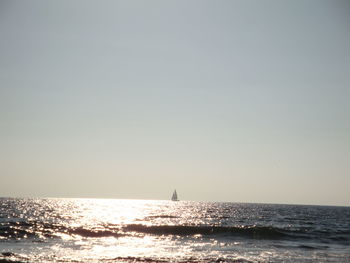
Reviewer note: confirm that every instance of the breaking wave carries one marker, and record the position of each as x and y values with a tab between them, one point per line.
19	230
249	231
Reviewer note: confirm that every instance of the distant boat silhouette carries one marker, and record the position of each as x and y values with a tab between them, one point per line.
174	197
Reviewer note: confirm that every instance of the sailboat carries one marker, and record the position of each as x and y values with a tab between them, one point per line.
174	197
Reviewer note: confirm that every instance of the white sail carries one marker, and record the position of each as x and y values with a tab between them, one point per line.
174	197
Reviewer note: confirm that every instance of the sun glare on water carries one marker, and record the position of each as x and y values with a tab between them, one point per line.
99	228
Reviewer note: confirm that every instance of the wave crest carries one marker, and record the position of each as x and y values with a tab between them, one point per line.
258	232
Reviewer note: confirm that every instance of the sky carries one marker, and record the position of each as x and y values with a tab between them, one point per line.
240	101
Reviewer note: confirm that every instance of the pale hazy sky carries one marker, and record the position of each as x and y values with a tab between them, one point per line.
243	101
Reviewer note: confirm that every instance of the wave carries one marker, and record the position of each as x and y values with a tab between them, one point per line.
185	260
38	231
258	232
24	230
9	257
251	232
93	233
161	216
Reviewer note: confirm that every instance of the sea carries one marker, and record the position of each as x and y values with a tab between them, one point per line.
155	231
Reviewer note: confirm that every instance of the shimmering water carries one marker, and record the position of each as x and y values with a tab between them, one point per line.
101	230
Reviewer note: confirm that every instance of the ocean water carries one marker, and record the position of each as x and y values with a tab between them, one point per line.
107	230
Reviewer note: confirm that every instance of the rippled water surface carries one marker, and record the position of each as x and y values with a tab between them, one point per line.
106	230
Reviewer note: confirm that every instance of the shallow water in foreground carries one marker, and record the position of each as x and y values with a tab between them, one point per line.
107	230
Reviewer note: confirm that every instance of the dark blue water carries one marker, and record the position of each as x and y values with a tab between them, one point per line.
106	230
